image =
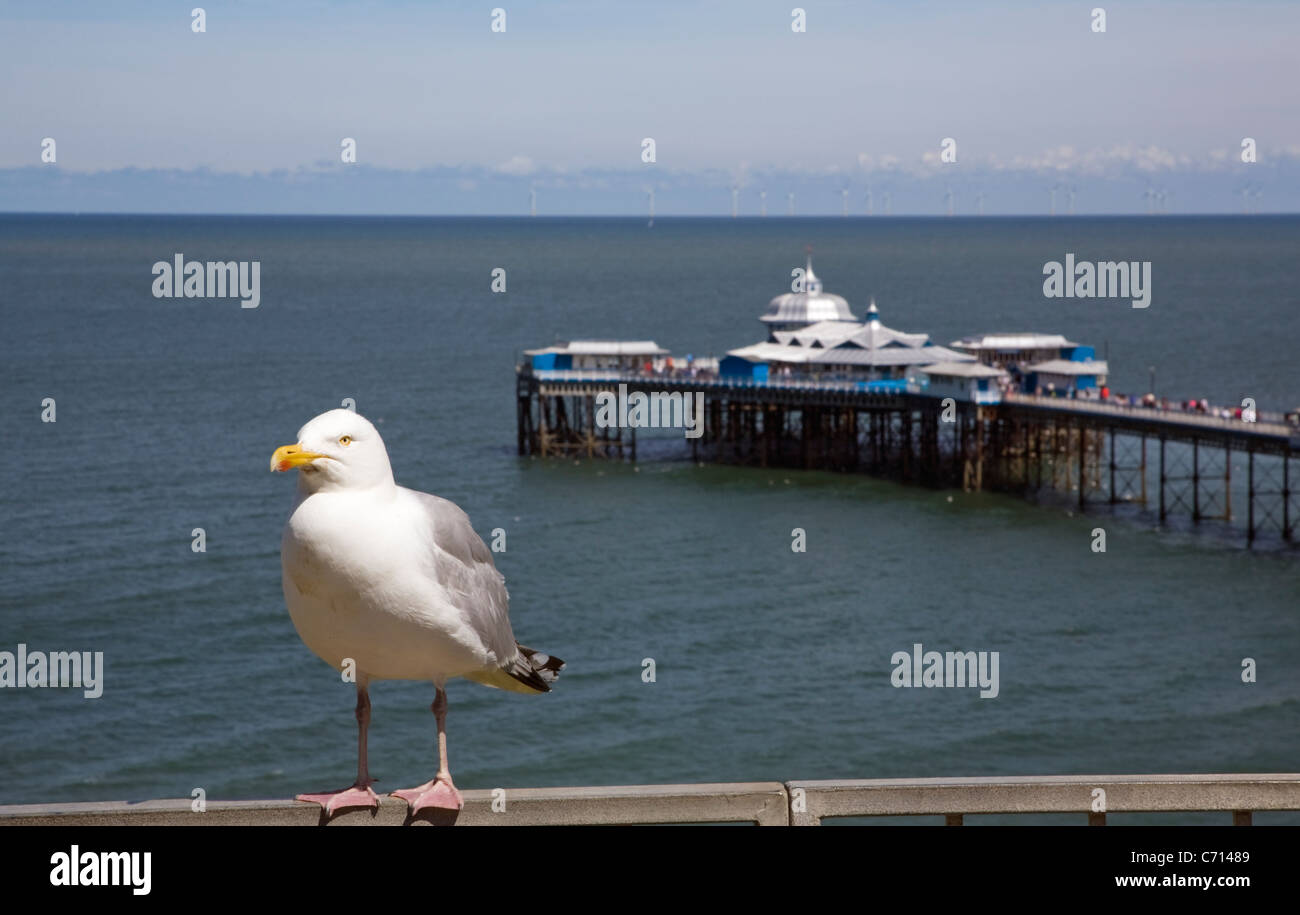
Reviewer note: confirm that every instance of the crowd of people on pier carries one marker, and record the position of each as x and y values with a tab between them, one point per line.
684	368
1104	394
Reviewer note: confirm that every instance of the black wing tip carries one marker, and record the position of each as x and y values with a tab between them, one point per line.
539	669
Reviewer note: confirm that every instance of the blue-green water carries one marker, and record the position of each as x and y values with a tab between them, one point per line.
770	664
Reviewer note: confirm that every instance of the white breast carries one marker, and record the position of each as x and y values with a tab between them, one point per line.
359	584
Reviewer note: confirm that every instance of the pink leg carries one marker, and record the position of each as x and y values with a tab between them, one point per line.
359	795
440	793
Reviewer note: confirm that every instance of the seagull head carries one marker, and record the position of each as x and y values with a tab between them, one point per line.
336	450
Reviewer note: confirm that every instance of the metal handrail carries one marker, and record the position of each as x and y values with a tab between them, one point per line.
713	381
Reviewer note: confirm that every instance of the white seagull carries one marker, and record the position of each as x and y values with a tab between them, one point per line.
396	584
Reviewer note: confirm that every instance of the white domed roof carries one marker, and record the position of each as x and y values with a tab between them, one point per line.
809	306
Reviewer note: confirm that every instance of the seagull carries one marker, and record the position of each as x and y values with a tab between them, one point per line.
392	584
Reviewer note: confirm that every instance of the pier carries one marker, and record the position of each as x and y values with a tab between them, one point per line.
1025	413
1086	452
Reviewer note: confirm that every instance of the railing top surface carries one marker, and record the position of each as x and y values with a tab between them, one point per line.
584	793
1043	794
1192	780
766	803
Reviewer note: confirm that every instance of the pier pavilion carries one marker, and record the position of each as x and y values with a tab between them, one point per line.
1069	377
963	381
627	355
813	335
1039	362
866	351
1016	349
808	305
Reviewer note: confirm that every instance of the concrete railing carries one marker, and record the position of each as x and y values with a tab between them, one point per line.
800	803
954	798
761	803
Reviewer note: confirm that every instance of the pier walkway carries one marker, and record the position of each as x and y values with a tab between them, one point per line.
1266	431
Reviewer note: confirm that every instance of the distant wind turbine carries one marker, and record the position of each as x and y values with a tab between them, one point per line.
844	202
790	201
1250	193
735	200
1073	189
1150	196
651	193
532	201
1052	210
979	203
762	203
868	200
947	195
888	209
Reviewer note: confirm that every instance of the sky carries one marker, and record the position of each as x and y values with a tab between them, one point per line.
449	116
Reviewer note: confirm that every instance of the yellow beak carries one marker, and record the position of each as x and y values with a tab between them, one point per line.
291	456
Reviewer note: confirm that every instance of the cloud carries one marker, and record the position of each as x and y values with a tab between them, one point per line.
884	162
517	165
1210	180
1112	162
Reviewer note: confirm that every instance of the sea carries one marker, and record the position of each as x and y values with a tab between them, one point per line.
700	646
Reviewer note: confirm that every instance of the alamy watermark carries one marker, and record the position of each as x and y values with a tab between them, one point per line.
82	670
952	669
211	279
656	410
75	867
1102	280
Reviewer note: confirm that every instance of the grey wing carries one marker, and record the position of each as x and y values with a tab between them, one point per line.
464	566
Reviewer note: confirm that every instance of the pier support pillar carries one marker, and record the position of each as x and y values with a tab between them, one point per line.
1083	466
1227	481
544	430
1196	480
1144	469
519	423
1163	513
1110	433
1250	496
1286	496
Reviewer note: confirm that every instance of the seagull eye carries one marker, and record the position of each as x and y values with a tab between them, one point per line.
345	440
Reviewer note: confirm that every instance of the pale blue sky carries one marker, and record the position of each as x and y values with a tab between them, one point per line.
726	89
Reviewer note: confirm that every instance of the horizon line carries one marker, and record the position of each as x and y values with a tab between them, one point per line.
645	218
